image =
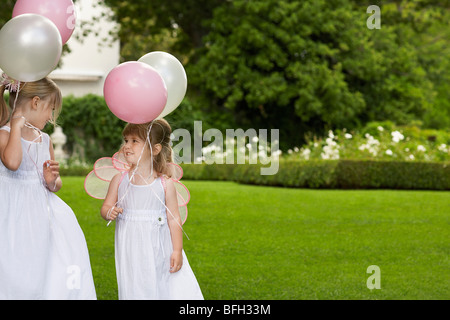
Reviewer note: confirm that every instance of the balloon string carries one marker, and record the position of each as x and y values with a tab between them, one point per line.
50	213
170	212
151	174
119	201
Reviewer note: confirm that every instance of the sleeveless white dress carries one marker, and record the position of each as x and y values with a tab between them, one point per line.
43	252
143	247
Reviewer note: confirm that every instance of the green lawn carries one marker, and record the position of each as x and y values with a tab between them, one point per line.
251	242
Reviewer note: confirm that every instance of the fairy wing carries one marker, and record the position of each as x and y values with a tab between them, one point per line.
183	195
96	183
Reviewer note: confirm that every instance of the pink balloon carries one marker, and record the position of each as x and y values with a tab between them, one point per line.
60	12
135	92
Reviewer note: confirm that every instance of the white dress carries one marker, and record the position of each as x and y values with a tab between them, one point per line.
143	247
43	252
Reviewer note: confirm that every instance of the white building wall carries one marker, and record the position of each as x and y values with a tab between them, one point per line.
85	68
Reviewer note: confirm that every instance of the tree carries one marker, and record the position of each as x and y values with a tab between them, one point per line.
422	26
6	12
307	66
178	25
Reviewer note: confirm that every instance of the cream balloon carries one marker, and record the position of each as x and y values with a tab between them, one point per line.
31	47
174	76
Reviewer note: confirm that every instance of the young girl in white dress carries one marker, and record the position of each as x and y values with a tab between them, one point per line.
150	260
43	252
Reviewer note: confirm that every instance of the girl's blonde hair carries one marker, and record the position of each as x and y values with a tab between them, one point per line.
44	89
159	134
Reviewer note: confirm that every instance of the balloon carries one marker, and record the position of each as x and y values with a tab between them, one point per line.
172	71
60	12
30	47
135	92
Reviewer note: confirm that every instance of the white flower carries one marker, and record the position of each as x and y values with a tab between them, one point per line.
406	149
411	156
330	134
348	136
397	136
371	145
443	148
389	152
421	148
305	153
330	153
330	142
277	152
255	139
373	141
290	151
160	221
296	149
380	128
262	155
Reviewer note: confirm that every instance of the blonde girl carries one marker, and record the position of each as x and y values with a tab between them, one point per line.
43	252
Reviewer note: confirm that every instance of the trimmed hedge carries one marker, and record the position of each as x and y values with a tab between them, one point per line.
393	175
342	174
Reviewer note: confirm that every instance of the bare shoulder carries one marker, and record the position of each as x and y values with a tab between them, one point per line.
169	187
116	179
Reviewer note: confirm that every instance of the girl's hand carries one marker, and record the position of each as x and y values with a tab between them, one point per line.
51	173
113	213
18	121
176	261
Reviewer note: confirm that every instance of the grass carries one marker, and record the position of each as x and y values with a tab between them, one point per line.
251	242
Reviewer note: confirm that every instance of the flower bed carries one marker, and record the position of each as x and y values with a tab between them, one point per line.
378	141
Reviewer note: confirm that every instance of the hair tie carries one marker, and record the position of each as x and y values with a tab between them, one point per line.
9	83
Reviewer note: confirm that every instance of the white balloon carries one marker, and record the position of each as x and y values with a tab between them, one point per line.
174	76
30	47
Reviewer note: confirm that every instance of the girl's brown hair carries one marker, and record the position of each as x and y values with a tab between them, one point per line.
44	89
159	134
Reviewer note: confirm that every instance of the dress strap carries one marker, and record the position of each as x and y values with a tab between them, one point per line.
163	182
6	128
123	175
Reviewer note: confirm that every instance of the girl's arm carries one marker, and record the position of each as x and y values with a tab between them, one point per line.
51	172
11	146
111	200
174	222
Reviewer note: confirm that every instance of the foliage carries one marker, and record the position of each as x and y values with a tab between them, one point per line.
180	22
335	174
301	66
378	140
92	130
305	66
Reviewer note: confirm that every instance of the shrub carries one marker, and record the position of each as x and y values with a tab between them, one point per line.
346	174
393	175
92	130
378	141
